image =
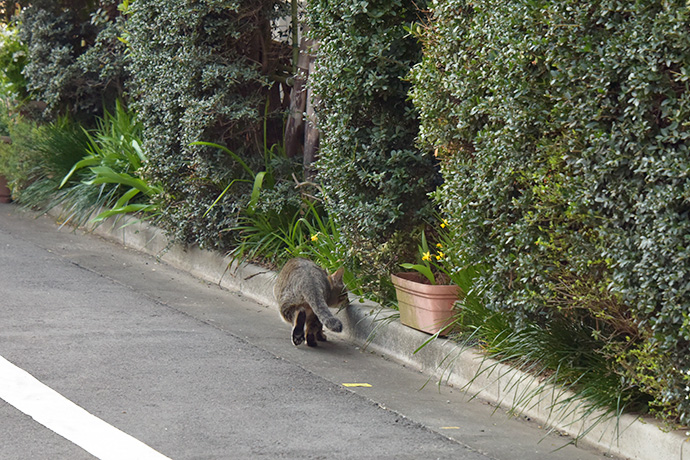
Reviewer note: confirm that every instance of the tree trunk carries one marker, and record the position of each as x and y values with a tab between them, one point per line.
294	128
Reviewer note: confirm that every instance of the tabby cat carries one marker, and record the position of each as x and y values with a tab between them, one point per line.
304	292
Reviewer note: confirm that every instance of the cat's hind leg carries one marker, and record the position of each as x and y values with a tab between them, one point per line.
298	328
314	330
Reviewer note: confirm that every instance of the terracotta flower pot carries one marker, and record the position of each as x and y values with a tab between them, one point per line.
423	306
5	195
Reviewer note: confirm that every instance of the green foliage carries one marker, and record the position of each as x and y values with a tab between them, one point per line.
564	354
83	172
109	173
302	229
323	242
440	267
269	225
269	237
561	128
12	60
75	62
200	73
39	157
374	179
17	158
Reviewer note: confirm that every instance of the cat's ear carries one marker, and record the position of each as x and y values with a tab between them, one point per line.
338	275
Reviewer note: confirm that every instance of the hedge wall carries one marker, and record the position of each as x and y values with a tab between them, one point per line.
200	73
374	178
563	132
75	62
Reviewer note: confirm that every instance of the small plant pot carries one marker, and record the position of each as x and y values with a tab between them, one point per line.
5	194
423	306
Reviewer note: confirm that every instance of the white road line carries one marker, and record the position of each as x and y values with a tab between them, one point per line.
52	410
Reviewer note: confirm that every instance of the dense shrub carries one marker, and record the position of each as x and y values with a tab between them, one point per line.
75	61
16	161
375	179
201	72
562	128
39	156
12	60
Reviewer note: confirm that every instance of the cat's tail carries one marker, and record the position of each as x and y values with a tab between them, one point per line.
324	314
332	323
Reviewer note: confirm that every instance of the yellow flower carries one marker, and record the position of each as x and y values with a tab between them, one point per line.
440	256
315	237
426	256
439	245
444	223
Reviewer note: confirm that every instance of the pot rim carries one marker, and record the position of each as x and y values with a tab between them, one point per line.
406	282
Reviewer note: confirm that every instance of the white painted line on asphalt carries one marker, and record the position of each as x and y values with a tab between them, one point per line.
52	410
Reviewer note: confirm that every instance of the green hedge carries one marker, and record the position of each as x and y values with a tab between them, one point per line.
200	73
374	178
75	62
12	60
563	132
562	127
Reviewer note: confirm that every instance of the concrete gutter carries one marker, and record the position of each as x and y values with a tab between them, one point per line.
377	329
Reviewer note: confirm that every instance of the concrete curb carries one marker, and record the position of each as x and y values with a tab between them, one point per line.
377	329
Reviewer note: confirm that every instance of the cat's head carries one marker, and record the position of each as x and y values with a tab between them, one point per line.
338	292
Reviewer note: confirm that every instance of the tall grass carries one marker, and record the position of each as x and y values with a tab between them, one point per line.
269	237
40	156
561	353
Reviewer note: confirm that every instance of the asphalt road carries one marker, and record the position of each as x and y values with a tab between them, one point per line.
191	371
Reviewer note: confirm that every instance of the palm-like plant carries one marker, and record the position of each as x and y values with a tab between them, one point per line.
110	173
